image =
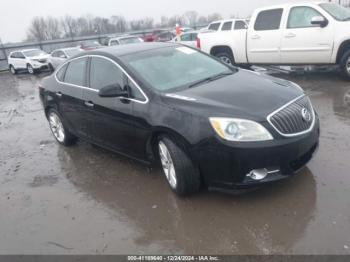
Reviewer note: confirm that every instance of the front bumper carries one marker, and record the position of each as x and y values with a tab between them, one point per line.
225	165
40	66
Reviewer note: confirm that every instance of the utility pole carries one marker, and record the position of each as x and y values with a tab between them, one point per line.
3	49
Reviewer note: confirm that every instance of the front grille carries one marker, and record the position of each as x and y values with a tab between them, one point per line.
42	60
294	118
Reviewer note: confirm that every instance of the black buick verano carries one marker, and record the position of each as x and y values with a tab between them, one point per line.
205	121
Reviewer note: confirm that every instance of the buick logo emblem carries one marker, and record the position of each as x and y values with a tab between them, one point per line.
306	115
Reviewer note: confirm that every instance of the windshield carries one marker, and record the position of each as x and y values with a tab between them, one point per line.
130	40
73	52
338	12
174	67
32	53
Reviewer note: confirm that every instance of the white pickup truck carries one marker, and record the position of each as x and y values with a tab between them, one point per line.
312	33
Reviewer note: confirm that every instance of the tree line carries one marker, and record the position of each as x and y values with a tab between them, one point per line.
50	28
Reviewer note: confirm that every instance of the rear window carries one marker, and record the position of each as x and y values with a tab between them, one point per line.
226	26
214	26
268	20
239	25
76	72
61	72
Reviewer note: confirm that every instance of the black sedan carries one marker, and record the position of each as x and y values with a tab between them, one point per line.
204	121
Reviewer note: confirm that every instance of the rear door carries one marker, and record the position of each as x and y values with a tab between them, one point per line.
264	37
110	120
72	81
303	42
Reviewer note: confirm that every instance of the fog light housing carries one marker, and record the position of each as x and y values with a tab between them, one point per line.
258	174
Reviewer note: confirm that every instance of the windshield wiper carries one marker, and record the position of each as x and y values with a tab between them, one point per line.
209	79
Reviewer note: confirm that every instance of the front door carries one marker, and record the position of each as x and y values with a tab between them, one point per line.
264	37
303	42
110	120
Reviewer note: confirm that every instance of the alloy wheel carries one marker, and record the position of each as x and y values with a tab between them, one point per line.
226	60
167	164
30	69
56	127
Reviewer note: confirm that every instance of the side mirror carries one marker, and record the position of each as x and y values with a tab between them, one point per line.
320	21
113	91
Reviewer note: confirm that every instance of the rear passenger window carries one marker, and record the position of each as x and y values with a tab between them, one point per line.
76	71
104	73
227	26
239	25
61	72
214	27
268	20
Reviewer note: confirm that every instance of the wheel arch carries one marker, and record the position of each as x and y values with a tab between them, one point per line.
344	47
151	146
221	49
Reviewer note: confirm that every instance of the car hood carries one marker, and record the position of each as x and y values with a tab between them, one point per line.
244	94
39	57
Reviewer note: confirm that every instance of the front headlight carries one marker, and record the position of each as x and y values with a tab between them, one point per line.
240	130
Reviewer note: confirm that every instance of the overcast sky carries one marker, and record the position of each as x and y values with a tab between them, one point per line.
15	15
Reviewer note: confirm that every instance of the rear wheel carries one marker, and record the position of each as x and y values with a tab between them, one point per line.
13	70
345	65
181	173
59	131
226	58
30	69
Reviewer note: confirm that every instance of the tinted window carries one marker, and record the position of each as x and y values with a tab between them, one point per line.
14	55
61	72
214	27
239	25
104	73
194	36
268	20
227	26
135	92
114	42
75	73
301	16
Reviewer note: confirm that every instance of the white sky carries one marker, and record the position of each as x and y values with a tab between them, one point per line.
15	15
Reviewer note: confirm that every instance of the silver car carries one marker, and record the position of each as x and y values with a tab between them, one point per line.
57	57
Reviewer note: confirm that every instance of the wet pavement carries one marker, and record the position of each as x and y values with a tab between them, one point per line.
85	200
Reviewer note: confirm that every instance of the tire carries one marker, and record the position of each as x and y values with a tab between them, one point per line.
30	69
13	70
225	58
59	131
186	174
345	65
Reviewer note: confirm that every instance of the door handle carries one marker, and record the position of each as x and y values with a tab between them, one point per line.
89	104
290	35
256	37
59	94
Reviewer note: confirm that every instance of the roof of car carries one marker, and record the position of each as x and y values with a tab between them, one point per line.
121	50
286	5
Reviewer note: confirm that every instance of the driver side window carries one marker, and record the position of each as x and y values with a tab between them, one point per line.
104	73
301	16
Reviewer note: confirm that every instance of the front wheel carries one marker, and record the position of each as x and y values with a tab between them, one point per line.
226	58
345	65
13	70
59	131
30	69
181	173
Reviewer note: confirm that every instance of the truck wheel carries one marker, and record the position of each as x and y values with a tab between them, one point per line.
181	173
226	58
345	65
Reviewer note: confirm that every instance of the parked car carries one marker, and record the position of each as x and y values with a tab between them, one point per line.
123	40
188	38
290	34
202	119
160	35
32	60
57	57
90	45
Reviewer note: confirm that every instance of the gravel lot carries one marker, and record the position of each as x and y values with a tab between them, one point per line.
85	200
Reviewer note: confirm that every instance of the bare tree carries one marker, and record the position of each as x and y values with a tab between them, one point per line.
191	18
36	30
214	17
69	26
119	23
